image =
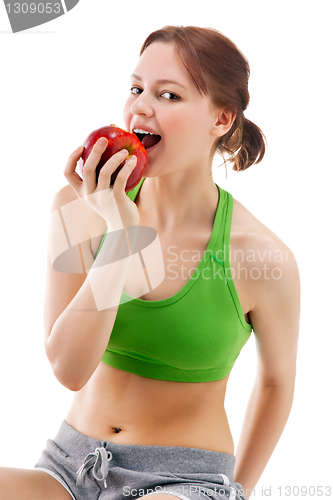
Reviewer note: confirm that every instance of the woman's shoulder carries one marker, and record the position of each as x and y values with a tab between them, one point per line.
63	196
263	265
255	239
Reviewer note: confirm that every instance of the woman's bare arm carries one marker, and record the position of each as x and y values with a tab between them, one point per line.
275	320
82	293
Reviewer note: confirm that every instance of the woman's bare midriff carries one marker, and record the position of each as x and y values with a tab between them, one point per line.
125	408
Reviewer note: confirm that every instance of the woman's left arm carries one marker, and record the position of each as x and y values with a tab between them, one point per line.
275	321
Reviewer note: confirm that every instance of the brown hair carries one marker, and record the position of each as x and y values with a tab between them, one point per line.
218	69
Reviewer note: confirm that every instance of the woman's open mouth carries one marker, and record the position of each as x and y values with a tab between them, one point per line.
147	138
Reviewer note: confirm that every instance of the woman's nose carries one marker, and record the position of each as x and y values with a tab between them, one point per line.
142	106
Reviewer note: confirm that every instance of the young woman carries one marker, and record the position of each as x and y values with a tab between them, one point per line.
150	371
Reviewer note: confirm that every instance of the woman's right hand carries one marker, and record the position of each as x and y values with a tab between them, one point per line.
109	203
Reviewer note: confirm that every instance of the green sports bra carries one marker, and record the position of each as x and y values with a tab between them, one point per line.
197	334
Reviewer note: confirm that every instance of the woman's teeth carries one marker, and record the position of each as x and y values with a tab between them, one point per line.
140	131
148	139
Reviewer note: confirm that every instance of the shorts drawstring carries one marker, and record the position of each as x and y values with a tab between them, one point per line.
233	491
98	460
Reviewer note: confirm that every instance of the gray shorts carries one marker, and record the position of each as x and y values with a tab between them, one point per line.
90	469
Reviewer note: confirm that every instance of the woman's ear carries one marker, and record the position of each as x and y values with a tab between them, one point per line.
224	121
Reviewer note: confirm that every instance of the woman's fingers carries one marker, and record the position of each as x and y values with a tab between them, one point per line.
127	208
88	184
100	197
72	177
104	178
123	175
89	170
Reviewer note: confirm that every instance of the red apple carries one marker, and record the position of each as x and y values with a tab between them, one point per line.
117	139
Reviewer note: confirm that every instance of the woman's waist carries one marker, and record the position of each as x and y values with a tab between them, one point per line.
124	408
152	425
206	435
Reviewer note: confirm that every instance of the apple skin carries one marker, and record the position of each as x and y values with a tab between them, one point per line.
117	139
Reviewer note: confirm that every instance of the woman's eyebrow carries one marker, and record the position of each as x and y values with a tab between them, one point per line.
160	81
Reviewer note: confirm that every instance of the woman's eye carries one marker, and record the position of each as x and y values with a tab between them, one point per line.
170	96
135	90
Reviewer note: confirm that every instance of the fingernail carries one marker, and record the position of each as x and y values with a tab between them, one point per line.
79	148
124	151
102	141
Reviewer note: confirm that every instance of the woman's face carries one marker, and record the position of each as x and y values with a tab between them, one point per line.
164	100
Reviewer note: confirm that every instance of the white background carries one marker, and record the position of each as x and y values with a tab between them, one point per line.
63	79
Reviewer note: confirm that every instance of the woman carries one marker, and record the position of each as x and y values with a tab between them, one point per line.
148	412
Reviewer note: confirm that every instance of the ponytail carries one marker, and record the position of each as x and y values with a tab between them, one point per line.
245	144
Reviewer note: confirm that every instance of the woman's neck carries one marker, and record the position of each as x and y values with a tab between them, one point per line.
170	202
